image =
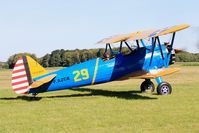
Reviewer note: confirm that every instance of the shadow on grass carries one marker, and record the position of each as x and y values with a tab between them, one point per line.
26	98
127	95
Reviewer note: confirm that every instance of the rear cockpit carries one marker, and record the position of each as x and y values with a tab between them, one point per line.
122	48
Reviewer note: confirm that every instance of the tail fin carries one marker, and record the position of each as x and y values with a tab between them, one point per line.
25	70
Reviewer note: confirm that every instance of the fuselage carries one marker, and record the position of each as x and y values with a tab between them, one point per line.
97	70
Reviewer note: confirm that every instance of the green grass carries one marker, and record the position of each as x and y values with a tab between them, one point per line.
108	108
191	64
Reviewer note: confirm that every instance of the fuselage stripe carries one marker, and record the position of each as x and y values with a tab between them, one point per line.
95	71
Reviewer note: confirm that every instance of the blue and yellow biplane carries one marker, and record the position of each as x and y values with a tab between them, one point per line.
145	60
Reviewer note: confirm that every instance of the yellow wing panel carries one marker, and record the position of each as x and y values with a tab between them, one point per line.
42	81
140	35
115	39
161	72
143	34
172	29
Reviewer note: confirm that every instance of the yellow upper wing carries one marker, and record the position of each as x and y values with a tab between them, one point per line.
172	29
143	34
115	39
140	35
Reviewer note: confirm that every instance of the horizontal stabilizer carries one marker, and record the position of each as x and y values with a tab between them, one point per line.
160	72
42	81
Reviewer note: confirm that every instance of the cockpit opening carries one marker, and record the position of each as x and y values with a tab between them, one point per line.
124	48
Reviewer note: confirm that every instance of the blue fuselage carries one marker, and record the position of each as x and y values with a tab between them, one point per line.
97	70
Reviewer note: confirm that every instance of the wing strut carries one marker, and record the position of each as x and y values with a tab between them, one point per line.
128	46
172	41
137	41
153	48
108	46
120	50
171	47
159	44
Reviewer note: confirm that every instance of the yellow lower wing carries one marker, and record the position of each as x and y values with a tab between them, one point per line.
42	81
160	72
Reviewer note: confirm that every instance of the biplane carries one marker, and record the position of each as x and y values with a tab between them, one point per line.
148	59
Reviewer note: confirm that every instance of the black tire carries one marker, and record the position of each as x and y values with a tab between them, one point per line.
147	86
164	88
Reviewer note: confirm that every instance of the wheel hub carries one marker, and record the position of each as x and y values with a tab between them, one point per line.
165	89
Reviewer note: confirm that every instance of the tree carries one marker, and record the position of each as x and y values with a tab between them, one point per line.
55	59
187	57
67	59
13	59
75	57
86	55
100	53
45	60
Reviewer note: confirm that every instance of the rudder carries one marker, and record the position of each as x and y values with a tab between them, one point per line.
25	70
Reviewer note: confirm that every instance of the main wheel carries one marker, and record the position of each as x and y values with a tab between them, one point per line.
164	88
147	86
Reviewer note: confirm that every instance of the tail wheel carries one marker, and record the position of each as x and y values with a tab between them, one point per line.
34	94
164	88
147	86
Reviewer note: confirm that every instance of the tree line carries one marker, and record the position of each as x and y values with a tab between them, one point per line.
65	58
187	57
60	57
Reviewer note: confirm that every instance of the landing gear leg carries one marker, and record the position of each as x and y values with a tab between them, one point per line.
163	88
147	86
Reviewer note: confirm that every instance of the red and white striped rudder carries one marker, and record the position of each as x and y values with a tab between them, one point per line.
20	83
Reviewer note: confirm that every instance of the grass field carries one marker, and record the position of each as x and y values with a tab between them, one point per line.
107	108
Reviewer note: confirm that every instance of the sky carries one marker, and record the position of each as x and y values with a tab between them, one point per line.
41	26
